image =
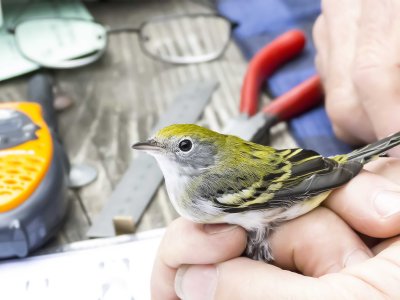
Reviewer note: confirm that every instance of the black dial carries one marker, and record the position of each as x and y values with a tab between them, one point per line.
15	128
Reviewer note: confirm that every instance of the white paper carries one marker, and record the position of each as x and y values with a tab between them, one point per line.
117	272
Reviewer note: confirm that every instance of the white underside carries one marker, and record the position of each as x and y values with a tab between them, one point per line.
205	212
254	219
176	184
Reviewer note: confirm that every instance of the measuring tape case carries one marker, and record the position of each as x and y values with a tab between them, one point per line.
33	180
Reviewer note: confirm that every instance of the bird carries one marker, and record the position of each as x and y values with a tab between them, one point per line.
215	178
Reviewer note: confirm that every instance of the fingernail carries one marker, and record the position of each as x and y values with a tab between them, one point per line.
218	228
196	282
355	257
387	203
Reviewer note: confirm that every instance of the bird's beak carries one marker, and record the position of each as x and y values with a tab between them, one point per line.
149	145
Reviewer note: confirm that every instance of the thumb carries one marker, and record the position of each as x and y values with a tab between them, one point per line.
242	278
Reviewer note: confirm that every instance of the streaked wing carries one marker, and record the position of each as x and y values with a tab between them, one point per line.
313	174
303	174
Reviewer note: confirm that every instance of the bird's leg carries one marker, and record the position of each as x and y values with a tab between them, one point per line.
257	245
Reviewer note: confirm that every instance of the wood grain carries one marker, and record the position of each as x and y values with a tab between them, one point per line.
118	100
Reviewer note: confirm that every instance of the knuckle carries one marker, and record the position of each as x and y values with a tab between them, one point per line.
174	226
310	229
174	229
364	75
340	133
339	110
375	80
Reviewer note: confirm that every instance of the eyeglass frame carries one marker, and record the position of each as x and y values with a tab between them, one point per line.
70	64
79	62
138	30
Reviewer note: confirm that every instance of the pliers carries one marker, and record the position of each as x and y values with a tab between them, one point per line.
253	125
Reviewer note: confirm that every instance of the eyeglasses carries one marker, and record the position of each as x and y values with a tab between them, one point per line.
70	42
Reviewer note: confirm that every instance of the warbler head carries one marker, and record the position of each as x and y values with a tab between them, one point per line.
201	166
188	148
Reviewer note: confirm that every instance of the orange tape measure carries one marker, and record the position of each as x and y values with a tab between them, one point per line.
34	171
26	149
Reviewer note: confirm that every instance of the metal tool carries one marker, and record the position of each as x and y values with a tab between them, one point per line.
253	125
139	183
81	175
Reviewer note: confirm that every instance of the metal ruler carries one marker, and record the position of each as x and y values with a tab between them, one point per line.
137	186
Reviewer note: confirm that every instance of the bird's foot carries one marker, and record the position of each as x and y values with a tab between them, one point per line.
258	247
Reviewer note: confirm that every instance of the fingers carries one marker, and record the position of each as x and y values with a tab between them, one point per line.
370	204
357	57
385	244
242	278
336	39
376	73
381	275
387	167
375	48
321	44
341	29
325	240
183	235
189	243
326	244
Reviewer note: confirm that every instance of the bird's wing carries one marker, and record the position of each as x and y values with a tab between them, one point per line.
301	175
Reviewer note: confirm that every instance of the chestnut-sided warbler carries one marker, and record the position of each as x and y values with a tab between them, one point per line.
216	178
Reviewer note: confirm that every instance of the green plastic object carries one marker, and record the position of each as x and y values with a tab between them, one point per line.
12	62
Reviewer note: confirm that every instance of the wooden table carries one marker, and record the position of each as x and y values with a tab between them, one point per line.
117	102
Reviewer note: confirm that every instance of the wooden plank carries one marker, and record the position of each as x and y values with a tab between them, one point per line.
128	94
118	100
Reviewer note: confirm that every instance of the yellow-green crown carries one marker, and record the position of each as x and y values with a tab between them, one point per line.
184	130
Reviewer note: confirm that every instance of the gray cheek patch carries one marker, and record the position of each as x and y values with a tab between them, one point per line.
201	156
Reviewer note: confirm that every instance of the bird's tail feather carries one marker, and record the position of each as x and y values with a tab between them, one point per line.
379	148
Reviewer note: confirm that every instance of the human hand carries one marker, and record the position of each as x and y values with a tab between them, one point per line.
358	51
318	255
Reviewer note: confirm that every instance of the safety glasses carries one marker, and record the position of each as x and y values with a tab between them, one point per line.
64	43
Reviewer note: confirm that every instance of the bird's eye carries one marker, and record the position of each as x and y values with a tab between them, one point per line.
185	145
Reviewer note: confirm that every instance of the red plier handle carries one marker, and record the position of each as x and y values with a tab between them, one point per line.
301	98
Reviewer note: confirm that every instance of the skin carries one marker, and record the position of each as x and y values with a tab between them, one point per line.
329	259
349	248
358	48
